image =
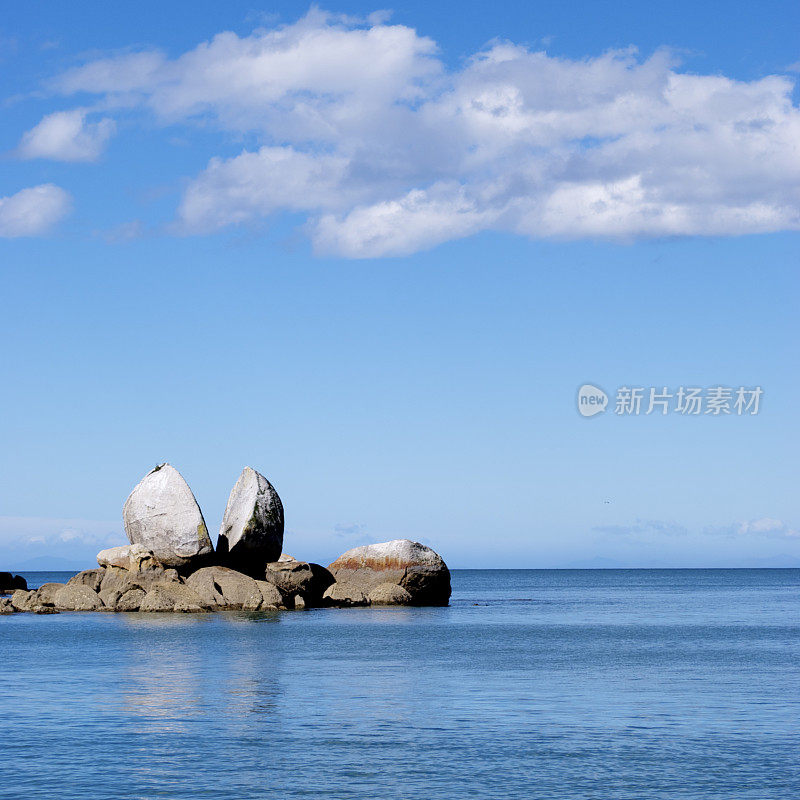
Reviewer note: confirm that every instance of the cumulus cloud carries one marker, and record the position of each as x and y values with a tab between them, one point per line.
763	527
67	136
363	129
766	526
33	211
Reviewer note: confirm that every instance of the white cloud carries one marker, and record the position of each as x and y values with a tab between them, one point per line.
766	526
67	136
763	527
363	129
33	211
258	184
23	531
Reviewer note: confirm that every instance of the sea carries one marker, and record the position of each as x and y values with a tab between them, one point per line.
532	684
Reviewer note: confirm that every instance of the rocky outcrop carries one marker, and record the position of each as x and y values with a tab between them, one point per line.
10	583
169	564
224	588
162	514
411	565
172	597
77	597
251	534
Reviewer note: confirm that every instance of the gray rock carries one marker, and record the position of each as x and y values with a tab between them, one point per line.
162	514
46	593
251	534
291	577
344	595
10	583
222	587
130	600
133	557
5	606
77	597
418	569
271	596
389	594
89	577
116	581
20	600
172	597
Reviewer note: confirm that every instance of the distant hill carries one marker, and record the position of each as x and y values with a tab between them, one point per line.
46	564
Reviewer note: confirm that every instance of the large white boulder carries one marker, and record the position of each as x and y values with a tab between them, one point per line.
162	515
251	534
411	565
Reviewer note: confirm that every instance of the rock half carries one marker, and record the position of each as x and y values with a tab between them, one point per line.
251	534
162	514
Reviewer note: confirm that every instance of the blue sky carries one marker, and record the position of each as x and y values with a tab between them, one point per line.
374	256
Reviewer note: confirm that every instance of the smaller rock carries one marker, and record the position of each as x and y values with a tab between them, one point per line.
119	580
77	597
130	600
344	595
172	597
89	577
47	591
10	583
389	594
5	606
133	557
271	596
286	557
299	603
225	588
291	577
20	600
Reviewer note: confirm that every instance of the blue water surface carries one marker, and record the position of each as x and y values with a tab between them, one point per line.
605	684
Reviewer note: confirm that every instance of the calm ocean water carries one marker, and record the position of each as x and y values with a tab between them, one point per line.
606	684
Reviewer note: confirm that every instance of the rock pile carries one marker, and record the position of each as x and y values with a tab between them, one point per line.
400	572
170	563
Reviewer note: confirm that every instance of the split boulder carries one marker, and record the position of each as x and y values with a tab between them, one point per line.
162	514
251	534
